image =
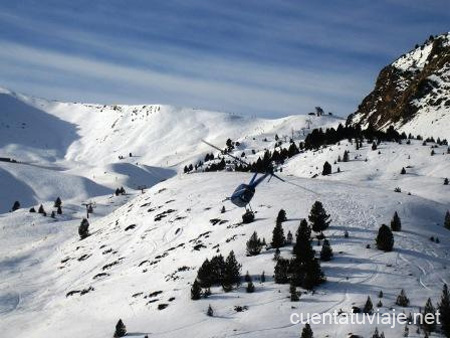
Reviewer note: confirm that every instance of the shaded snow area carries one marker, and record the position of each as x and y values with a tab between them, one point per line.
145	247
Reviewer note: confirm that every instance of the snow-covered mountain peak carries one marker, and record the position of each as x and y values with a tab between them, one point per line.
413	92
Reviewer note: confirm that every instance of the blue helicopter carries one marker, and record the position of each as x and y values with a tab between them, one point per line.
243	194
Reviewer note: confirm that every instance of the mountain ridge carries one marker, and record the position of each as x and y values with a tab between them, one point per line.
412	92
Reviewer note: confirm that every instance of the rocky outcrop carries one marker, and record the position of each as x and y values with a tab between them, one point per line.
417	83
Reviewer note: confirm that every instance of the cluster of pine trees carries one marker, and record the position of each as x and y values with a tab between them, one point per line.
304	268
57	204
216	272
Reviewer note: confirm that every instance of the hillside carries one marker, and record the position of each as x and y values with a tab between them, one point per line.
146	246
412	93
146	253
93	143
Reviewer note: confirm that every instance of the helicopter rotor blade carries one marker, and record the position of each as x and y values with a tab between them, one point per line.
292	183
221	151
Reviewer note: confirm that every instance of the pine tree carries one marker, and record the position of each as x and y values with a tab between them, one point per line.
278	238
121	330
210	311
250	287
276	255
307	332
59	210
396	224
447	220
326	254
41	209
281	271
223	210
289	238
302	249
374	146
217	268
232	273
318	217
83	229
346	156
376	334
204	275
15	206
446	181
368	307
313	274
263	277
385	238
430	312
444	310
281	217
293	292
403	171
327	169
58	202
196	290
254	245
402	300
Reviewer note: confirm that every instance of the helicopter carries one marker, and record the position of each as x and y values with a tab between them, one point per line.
244	193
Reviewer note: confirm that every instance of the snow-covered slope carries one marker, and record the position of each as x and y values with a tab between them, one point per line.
156	135
146	253
145	248
115	145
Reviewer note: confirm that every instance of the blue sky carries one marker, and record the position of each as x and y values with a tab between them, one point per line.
256	57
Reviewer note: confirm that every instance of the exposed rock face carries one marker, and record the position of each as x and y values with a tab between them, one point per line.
413	92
